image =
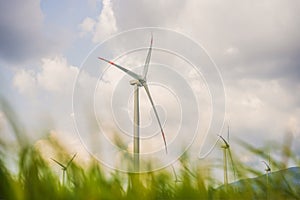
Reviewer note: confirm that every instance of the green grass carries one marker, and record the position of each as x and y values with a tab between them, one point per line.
37	180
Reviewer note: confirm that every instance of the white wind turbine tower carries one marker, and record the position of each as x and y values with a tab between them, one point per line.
64	167
137	82
226	149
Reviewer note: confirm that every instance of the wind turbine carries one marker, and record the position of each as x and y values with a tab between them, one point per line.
267	169
226	149
64	167
139	81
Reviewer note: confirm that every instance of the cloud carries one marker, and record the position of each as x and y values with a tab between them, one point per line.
87	25
259	108
55	75
104	26
21	29
45	94
239	36
25	81
132	14
48	90
262	32
119	15
231	51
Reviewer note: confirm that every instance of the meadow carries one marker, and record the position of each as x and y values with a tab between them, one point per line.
35	179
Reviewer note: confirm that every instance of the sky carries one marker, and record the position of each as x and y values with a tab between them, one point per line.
255	46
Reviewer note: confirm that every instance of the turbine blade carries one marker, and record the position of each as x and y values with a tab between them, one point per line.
228	133
148	59
71	160
127	71
155	111
60	164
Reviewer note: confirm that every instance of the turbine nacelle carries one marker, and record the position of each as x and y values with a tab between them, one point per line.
226	144
267	169
139	82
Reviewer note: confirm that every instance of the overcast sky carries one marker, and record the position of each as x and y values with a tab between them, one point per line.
256	46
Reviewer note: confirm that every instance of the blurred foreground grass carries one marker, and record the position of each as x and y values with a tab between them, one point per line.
36	180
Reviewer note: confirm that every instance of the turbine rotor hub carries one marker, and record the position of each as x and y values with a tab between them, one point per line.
136	82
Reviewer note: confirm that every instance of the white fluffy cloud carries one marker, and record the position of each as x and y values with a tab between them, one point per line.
55	75
47	95
25	81
264	109
87	26
104	26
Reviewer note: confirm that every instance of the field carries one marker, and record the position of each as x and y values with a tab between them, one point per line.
35	178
